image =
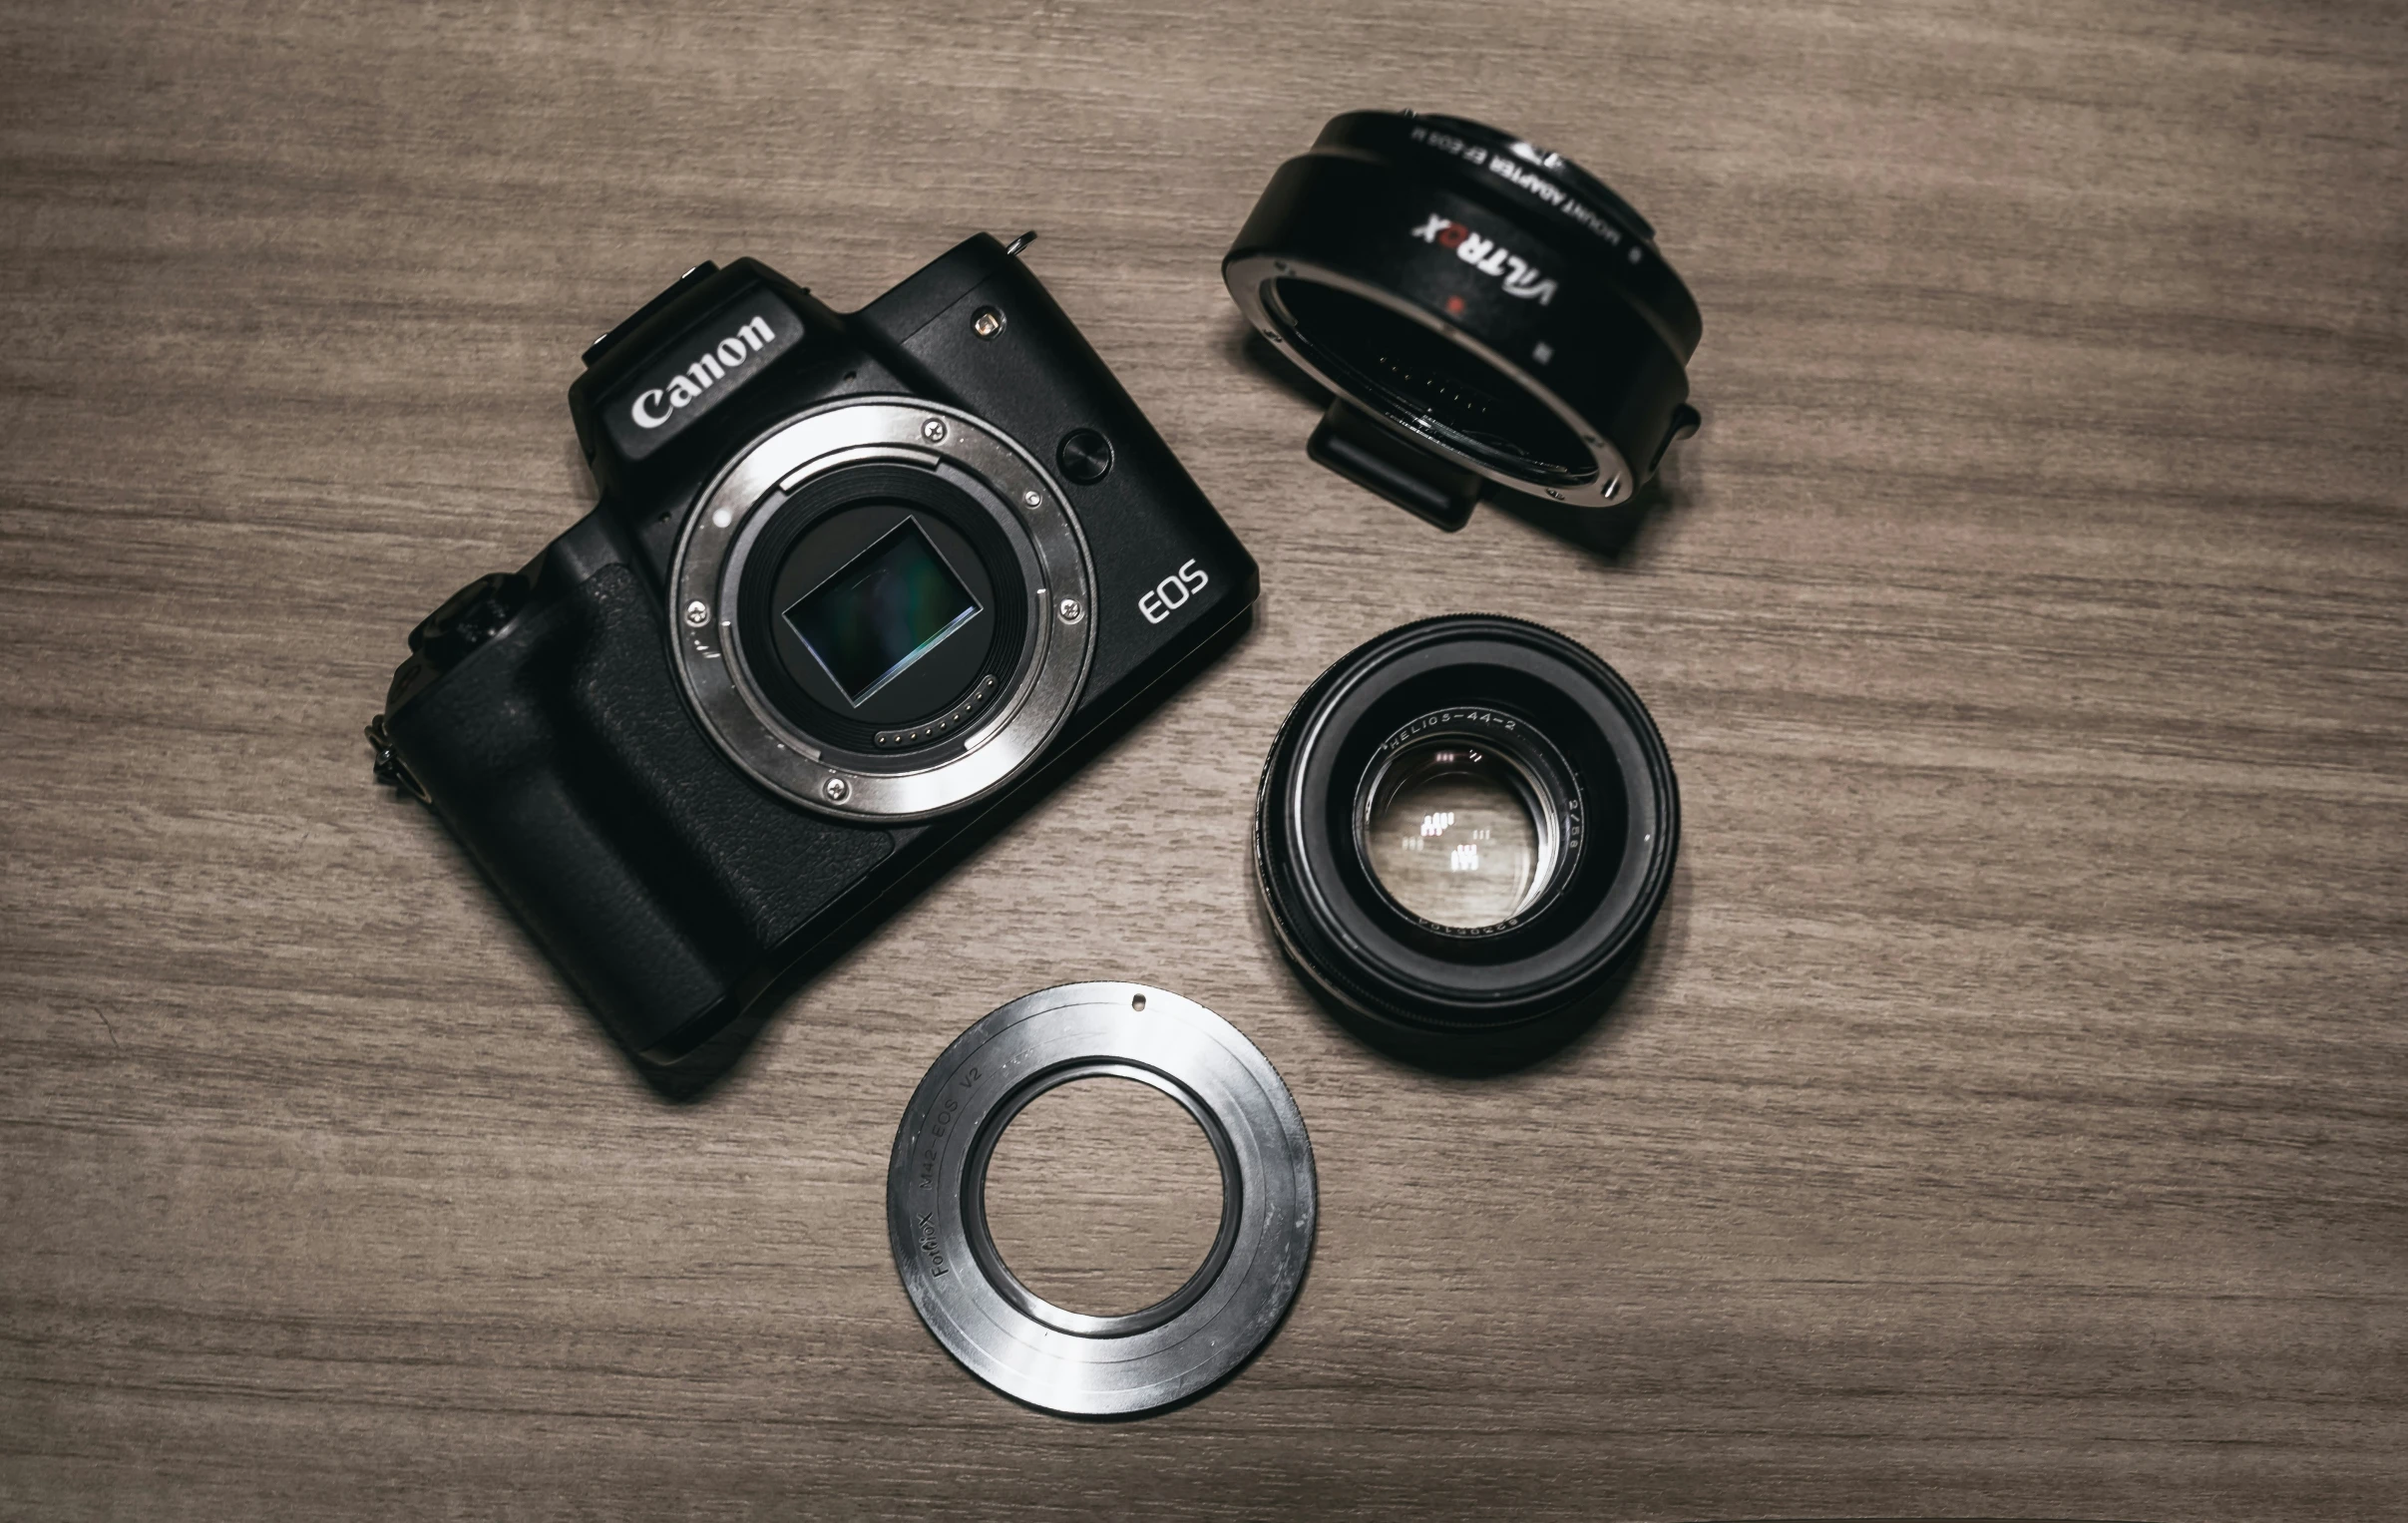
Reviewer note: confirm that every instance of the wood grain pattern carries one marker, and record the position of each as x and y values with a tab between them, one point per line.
2011	1114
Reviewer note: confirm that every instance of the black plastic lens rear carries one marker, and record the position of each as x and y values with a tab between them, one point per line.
1485	312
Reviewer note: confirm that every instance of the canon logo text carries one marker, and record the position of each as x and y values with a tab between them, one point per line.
653	408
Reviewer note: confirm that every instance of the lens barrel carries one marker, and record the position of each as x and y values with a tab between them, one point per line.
1481	699
1487	311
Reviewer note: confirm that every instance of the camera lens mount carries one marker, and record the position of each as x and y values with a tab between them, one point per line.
865	606
1486	312
1464	826
1017	1341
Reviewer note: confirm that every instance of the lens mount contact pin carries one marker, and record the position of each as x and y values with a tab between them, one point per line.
1016	1340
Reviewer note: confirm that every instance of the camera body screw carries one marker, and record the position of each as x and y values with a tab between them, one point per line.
1033	500
1070	609
697	613
933	431
836	789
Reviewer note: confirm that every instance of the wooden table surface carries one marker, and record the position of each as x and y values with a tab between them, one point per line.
2011	1112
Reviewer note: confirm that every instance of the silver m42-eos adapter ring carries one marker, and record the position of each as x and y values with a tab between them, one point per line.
1027	1347
1006	500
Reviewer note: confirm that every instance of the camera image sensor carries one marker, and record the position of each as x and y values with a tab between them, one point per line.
1449	834
886	609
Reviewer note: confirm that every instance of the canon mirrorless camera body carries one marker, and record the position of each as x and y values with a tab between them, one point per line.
857	586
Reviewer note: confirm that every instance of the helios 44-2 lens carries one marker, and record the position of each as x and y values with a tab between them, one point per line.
1487	312
1464	829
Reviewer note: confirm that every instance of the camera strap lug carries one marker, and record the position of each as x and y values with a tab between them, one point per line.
389	768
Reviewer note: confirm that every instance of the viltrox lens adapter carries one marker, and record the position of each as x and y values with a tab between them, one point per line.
1464	828
1487	311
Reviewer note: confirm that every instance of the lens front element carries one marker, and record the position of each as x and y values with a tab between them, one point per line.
1458	832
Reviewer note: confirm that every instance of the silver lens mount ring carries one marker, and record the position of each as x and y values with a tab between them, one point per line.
995	472
1013	1339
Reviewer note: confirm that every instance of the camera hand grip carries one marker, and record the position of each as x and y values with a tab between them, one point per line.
560	755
